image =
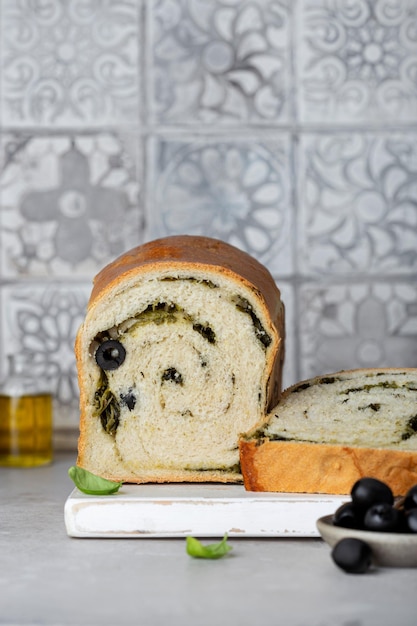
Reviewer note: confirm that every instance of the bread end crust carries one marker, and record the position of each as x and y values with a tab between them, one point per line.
293	467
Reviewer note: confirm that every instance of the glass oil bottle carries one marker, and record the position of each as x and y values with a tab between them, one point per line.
26	416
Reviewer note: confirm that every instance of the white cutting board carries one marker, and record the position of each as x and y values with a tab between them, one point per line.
202	510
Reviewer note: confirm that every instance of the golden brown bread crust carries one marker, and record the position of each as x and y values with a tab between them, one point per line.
292	467
190	253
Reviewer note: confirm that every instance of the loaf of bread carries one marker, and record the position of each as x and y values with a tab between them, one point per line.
327	432
180	351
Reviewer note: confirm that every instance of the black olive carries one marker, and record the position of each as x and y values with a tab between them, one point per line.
352	555
411	520
410	501
382	517
369	491
348	516
110	354
128	399
172	374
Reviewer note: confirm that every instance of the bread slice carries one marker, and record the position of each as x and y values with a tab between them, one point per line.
329	431
180	351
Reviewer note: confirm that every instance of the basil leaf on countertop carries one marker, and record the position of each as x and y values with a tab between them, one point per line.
212	551
89	483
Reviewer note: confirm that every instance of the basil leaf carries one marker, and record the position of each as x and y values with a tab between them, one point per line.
211	551
89	483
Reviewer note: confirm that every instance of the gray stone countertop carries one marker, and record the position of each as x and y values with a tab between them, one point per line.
47	578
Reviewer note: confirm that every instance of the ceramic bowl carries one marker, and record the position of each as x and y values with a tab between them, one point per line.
388	549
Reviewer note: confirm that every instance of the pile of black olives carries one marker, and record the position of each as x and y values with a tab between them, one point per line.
372	508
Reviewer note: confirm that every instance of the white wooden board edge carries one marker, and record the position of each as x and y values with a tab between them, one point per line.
155	511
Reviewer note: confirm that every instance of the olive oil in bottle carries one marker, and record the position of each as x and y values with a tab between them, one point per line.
25	417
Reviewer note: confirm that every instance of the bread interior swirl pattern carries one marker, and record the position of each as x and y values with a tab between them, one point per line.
376	409
184	373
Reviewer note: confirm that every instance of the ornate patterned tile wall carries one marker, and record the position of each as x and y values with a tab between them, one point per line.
288	128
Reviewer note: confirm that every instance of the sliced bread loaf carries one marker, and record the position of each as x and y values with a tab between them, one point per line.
329	431
180	351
